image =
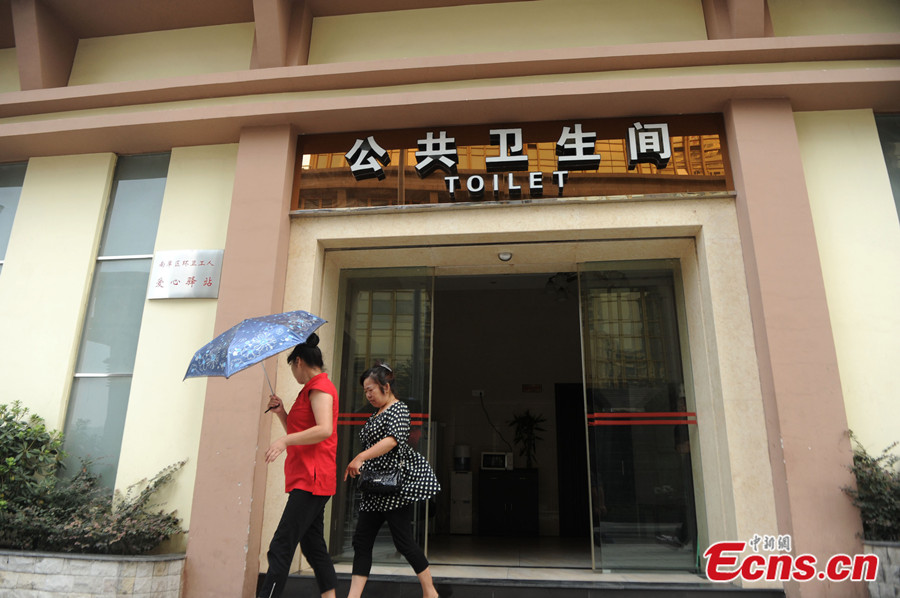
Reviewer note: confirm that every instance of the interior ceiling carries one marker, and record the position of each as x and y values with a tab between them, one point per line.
502	282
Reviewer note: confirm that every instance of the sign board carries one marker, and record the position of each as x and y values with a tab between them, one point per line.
186	274
575	150
611	158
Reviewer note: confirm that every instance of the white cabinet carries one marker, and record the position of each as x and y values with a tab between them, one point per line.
461	502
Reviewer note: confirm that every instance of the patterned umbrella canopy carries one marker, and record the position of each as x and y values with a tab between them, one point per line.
251	341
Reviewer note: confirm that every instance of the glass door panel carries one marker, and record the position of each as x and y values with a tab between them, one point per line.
386	316
637	420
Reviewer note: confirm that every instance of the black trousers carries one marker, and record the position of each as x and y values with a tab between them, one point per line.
400	523
301	522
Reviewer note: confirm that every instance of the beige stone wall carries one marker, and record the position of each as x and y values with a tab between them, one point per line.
161	54
9	71
858	236
90	576
47	276
823	17
194	215
502	28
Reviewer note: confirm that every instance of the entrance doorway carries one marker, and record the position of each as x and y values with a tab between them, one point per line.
502	345
591	357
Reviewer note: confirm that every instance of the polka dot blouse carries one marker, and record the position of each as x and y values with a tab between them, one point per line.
418	479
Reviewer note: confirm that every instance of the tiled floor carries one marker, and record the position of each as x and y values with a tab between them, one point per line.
510	552
473	567
546	558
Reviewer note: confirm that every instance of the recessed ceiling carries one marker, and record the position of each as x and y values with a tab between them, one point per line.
7	38
101	18
98	18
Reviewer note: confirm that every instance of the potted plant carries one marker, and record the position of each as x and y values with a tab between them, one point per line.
526	427
877	495
60	536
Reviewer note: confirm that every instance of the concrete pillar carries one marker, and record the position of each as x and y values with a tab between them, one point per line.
229	494
45	45
808	443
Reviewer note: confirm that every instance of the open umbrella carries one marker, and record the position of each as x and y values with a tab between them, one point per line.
252	341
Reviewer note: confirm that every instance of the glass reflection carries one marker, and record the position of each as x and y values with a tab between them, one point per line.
641	477
113	323
387	316
12	176
889	133
95	424
135	204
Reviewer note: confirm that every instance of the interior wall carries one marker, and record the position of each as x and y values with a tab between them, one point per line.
480	343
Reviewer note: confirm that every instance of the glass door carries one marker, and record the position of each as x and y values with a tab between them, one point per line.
638	423
386	316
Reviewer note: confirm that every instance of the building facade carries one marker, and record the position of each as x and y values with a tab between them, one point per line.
646	223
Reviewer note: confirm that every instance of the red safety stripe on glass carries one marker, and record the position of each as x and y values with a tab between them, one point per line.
359	419
656	418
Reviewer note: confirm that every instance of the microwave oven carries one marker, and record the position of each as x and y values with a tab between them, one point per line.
491	460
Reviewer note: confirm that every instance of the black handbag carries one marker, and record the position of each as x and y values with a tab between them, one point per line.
380	482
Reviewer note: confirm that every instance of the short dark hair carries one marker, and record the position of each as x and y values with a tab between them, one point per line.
381	373
308	351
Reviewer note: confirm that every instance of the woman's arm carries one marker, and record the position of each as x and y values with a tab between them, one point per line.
322	404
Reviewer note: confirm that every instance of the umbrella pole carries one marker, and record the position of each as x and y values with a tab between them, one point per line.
267	379
270	388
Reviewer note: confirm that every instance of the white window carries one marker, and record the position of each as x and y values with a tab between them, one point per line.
11	178
889	132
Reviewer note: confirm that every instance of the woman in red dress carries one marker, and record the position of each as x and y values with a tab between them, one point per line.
310	473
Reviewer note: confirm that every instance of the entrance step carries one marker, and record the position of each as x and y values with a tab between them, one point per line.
407	586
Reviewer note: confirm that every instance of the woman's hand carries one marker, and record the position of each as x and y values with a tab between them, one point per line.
381	447
276	405
353	468
275	449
